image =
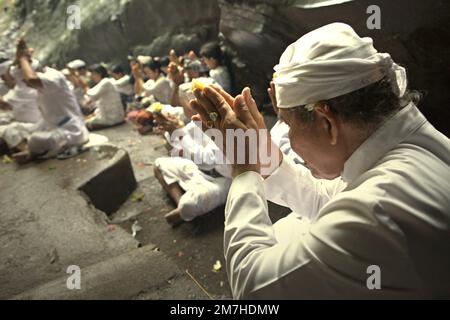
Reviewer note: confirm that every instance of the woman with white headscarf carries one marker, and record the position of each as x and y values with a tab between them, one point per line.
387	234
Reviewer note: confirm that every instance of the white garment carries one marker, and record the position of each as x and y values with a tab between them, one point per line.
78	93
394	213
24	103
108	103
124	86
15	133
330	62
3	88
60	112
222	77
203	193
177	112
4	67
198	147
160	89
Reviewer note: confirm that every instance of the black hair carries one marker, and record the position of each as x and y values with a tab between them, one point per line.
118	70
214	51
368	106
154	65
164	61
101	70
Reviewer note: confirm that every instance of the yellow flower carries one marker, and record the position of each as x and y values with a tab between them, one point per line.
198	84
156	107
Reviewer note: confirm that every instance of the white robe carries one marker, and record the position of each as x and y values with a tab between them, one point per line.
62	124
203	192
222	77
124	86
3	88
24	103
108	102
161	89
394	214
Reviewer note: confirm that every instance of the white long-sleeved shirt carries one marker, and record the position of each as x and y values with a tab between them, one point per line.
198	147
222	77
394	214
59	108
109	105
124	86
24	101
160	89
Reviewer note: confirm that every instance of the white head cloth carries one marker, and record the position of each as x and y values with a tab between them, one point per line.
4	66
329	62
76	64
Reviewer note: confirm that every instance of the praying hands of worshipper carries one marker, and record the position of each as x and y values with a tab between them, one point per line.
219	110
273	98
136	70
176	73
23	59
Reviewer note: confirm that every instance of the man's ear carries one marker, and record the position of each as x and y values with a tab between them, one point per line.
331	122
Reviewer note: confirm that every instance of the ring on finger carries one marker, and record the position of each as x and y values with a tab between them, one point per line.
213	116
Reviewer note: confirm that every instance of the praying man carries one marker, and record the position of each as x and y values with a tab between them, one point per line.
350	115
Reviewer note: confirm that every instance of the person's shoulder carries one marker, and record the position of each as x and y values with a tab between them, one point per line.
51	77
50	73
107	83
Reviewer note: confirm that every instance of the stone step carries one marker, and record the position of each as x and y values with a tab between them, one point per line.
138	274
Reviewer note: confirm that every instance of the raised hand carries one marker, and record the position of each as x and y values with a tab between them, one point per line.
244	134
273	98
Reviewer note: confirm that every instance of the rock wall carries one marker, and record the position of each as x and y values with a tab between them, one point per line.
110	29
416	33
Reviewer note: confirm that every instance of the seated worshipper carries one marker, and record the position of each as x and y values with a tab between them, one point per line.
104	95
80	79
124	84
198	180
184	77
79	69
76	86
20	105
387	234
158	86
280	137
62	126
215	59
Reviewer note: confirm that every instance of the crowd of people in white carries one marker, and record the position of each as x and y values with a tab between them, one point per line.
365	174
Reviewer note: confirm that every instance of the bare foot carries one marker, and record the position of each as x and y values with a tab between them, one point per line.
174	218
22	158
